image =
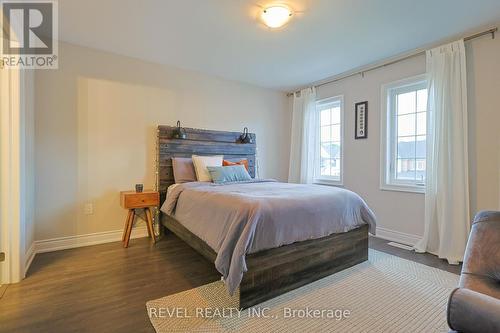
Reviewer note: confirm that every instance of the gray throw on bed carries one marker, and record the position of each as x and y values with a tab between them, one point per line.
240	218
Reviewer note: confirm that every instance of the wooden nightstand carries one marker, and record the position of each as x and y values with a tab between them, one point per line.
132	200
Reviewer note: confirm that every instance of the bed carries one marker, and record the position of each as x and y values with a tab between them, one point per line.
254	231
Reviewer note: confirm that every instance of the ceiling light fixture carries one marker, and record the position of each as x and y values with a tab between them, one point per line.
276	16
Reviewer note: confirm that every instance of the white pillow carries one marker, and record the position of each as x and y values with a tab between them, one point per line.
202	162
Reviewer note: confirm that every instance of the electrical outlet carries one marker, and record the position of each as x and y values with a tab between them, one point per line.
88	209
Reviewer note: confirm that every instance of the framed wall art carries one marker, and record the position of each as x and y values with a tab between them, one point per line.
361	114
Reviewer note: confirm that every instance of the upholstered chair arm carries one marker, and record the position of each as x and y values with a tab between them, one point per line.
469	312
481	267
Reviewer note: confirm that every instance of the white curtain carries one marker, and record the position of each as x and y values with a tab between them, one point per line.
304	137
447	184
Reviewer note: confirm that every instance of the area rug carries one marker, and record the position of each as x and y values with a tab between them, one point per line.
384	294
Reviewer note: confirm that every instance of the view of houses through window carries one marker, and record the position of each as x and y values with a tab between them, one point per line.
405	134
330	125
411	130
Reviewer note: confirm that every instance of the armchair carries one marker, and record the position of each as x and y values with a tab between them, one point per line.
475	305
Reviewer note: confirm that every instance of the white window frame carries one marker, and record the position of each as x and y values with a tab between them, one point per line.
329	180
388	141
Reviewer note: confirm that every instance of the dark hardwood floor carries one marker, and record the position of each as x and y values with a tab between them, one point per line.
104	288
101	288
423	258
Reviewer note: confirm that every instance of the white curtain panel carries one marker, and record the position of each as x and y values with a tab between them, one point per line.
447	216
304	137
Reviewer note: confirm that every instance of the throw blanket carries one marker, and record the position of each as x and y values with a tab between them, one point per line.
240	218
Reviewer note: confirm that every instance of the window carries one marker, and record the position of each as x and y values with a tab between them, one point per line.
329	162
404	137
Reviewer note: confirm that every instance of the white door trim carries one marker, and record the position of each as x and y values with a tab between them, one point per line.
16	171
10	176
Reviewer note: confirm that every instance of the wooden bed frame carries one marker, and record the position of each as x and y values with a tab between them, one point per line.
270	272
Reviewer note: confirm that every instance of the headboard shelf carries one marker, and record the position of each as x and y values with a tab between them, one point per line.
199	142
202	134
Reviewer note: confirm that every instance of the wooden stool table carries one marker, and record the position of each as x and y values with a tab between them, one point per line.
132	200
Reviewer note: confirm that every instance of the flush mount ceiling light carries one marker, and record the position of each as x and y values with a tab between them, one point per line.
276	16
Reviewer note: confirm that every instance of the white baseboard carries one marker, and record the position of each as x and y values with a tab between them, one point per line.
397	236
29	256
70	242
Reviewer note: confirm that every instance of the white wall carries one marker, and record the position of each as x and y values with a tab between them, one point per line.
96	121
401	214
483	71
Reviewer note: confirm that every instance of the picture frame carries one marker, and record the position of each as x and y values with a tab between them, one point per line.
361	116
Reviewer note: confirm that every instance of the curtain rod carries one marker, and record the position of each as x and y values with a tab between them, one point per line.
406	57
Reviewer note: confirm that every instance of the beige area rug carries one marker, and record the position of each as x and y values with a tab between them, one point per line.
384	294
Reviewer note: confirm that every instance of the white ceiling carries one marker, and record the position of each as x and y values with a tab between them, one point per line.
224	37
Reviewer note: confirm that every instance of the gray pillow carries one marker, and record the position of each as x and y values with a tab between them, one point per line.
183	170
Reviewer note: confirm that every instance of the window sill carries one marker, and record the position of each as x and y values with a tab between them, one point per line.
328	182
403	188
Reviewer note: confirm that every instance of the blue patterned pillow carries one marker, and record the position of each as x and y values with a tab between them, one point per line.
226	174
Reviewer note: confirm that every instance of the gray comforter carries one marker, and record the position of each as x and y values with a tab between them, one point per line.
237	219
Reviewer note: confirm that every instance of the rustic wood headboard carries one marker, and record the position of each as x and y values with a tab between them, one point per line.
198	142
